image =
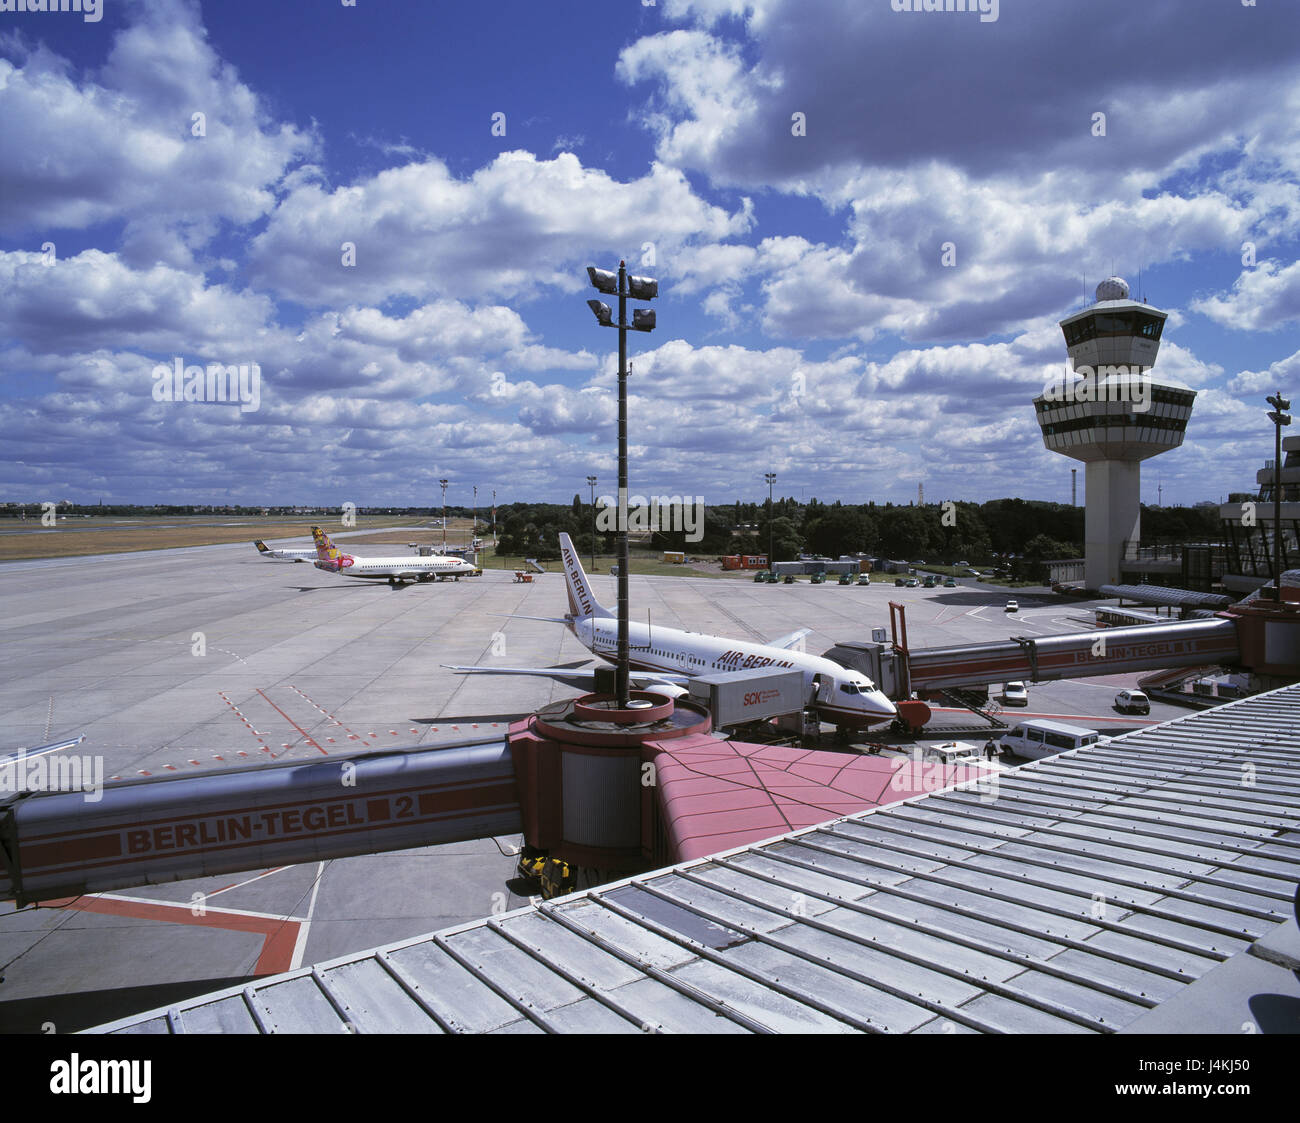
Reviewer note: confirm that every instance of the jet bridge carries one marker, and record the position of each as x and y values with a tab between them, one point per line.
161	829
933	670
1181	643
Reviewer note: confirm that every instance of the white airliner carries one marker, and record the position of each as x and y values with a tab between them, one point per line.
283	555
665	659
393	570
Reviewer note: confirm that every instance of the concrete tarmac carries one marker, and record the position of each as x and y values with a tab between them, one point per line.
175	661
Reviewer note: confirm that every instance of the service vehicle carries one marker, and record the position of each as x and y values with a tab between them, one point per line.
1015	694
1011	607
1039	737
1132	702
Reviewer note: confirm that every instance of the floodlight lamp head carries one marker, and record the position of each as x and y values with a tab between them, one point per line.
642	288
602	279
643	319
602	312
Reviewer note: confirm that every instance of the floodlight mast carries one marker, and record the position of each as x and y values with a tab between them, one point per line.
1279	418
624	655
639	288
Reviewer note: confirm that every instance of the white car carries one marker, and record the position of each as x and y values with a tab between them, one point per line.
1015	694
1132	702
1011	607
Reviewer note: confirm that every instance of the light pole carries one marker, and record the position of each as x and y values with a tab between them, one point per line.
494	520
443	485
473	525
591	483
1279	418
643	319
771	479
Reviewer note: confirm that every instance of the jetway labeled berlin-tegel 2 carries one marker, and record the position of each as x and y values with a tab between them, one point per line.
164	828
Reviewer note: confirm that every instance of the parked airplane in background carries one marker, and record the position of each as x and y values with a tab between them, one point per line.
665	659
393	570
283	555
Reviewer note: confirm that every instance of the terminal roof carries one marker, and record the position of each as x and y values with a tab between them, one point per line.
1091	892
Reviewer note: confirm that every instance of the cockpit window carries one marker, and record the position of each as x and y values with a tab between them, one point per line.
849	688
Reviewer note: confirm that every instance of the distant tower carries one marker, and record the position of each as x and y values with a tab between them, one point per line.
920	495
1112	413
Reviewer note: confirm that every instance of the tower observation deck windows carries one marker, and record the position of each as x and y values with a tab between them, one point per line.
1111	324
1115	421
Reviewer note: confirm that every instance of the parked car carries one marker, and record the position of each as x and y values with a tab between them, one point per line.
900	581
1011	607
951	583
930	582
963	563
913	583
1014	694
1132	702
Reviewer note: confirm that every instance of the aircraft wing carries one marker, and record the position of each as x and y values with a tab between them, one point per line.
790	640
573	676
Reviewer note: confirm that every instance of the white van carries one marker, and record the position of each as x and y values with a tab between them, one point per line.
1038	737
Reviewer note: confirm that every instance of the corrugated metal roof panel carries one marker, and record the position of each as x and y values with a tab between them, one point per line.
1093	888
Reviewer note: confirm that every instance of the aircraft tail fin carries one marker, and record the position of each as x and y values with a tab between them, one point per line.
582	601
262	547
327	553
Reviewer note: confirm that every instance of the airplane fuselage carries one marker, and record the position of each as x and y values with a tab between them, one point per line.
839	695
399	569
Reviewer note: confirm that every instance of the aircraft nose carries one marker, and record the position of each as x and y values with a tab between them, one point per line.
879	704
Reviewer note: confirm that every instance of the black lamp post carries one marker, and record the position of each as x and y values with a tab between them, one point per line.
1279	418
771	479
591	483
643	319
443	485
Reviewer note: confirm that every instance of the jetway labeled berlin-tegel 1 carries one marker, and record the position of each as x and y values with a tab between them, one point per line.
1260	635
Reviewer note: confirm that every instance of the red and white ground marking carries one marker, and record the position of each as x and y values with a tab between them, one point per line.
305	735
351	736
280	934
247	724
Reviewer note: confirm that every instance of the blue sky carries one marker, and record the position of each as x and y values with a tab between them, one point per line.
807	324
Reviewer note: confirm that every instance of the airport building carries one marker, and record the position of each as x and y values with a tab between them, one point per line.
1109	411
1248	524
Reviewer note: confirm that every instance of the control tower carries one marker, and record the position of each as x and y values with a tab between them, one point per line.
1109	411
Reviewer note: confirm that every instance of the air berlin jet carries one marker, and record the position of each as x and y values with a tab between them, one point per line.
393	570
665	659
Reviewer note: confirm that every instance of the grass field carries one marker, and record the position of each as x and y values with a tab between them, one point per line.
79	537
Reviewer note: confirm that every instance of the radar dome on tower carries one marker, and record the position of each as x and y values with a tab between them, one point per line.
1112	288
